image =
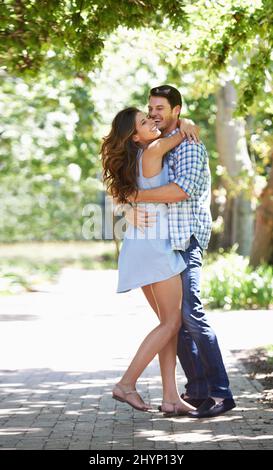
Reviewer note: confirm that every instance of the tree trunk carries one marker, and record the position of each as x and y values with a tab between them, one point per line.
233	153
262	247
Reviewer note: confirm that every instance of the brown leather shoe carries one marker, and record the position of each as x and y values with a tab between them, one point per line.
210	409
196	402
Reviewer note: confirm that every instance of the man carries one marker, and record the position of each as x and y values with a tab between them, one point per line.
188	195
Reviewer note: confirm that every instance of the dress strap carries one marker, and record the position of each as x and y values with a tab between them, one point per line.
139	159
139	153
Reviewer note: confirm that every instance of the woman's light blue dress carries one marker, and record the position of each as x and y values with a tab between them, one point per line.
147	257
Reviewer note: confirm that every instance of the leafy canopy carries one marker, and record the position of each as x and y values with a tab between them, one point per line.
33	31
77	29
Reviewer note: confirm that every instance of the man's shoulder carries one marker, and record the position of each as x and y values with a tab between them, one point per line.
192	145
189	147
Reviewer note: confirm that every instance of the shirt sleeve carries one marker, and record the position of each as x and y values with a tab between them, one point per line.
189	167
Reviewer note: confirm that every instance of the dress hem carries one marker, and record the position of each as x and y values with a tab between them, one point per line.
148	283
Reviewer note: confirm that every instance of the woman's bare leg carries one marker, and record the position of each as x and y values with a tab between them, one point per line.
167	357
168	297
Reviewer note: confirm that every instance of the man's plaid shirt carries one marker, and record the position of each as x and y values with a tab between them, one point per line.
189	168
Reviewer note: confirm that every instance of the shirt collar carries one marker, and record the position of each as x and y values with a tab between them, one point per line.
172	132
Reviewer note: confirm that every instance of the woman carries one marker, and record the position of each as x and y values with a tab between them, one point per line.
133	157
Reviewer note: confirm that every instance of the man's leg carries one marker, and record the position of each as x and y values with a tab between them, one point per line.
196	386
189	357
200	357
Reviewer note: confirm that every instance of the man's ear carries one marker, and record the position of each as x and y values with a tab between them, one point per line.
177	110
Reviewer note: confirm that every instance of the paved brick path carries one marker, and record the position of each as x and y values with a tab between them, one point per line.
62	350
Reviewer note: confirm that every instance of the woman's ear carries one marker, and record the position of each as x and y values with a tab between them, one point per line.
135	138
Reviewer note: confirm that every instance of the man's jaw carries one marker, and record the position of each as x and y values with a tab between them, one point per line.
159	124
166	128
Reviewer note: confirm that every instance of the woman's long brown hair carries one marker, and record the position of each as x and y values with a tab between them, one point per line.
119	153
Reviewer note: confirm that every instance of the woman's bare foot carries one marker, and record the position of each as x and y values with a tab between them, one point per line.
128	394
177	408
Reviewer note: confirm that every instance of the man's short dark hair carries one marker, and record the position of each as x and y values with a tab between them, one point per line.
169	92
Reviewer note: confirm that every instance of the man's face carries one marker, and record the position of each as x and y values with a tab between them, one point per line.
161	112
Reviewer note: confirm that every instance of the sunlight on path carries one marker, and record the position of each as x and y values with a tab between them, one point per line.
81	323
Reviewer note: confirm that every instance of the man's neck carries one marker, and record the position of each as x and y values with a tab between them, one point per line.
169	129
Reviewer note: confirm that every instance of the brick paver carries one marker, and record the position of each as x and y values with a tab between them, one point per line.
62	350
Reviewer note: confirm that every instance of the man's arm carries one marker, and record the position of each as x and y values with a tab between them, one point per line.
189	168
168	193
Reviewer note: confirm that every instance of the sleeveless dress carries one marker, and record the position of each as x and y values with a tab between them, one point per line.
147	257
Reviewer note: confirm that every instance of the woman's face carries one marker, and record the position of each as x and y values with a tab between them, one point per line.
146	130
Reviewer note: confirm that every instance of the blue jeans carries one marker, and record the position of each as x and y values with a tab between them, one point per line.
198	348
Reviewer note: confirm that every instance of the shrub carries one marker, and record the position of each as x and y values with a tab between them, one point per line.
230	283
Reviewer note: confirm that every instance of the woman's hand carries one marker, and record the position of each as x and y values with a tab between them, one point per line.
189	130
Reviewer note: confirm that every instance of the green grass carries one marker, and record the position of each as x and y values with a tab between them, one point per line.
25	266
228	281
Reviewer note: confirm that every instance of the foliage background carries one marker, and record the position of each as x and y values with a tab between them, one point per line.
69	67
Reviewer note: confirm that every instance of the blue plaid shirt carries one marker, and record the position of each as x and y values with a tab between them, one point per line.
189	168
